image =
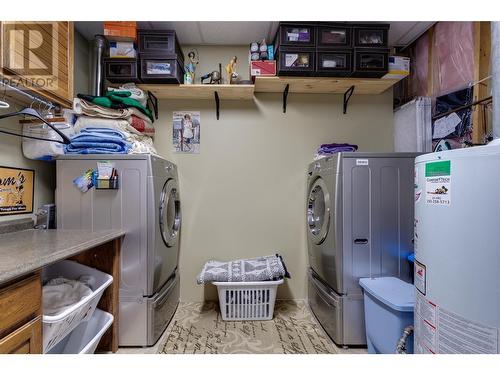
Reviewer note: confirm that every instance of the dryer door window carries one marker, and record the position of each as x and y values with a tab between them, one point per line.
170	212
318	211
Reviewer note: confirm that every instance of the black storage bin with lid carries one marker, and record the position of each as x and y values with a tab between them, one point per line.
295	34
370	62
334	62
333	35
160	43
371	35
121	70
161	69
296	61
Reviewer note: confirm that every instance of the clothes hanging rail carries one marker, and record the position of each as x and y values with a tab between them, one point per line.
28	95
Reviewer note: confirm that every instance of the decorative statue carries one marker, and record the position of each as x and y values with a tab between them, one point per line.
189	76
215	76
232	76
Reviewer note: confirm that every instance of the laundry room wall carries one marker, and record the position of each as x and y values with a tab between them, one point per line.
244	194
11	153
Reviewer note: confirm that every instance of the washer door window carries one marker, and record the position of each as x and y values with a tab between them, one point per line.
170	213
318	211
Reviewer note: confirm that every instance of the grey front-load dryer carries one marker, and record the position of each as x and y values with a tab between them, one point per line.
359	215
147	206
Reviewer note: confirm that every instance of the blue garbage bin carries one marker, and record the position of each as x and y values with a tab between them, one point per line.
389	304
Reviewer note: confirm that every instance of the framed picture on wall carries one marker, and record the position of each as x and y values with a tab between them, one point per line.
16	191
186	132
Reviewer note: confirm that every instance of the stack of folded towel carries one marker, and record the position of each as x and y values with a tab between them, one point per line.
99	141
331	148
122	110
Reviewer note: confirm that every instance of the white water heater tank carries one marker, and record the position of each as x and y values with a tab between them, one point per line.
457	251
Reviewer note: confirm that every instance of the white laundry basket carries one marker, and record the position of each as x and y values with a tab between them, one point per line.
57	327
85	338
247	300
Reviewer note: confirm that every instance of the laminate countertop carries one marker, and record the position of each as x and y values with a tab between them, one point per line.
26	251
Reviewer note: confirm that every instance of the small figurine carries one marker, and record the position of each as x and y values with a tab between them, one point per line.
215	76
232	76
189	76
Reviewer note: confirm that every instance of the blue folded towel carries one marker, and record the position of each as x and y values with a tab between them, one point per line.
98	141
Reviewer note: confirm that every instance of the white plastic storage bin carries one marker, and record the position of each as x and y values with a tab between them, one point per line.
247	300
56	327
85	338
43	150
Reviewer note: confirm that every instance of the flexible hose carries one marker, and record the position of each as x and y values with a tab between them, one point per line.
401	347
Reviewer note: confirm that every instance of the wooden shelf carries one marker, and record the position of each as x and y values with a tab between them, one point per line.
307	85
225	92
323	85
284	85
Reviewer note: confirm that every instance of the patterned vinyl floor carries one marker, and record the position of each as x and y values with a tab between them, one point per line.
197	328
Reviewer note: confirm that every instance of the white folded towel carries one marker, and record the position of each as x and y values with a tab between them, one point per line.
60	293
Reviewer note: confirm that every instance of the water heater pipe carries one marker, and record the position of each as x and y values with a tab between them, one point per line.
401	347
495	78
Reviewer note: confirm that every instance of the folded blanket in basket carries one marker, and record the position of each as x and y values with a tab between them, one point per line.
60	293
266	268
98	141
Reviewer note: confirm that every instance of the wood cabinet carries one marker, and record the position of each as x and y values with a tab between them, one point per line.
20	319
21	302
38	56
25	340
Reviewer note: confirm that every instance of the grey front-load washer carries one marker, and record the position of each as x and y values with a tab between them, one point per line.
147	206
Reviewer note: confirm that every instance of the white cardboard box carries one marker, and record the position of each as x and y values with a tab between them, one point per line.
399	67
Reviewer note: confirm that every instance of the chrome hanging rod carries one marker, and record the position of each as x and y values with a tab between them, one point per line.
32	97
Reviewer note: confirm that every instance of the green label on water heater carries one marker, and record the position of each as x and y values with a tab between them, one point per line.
438	183
439	168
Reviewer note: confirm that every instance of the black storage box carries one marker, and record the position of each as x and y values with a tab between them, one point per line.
371	35
333	35
295	34
295	61
121	70
370	62
160	43
334	63
157	69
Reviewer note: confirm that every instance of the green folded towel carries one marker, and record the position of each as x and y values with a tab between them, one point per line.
117	100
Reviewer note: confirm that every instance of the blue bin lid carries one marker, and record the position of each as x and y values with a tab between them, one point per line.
391	291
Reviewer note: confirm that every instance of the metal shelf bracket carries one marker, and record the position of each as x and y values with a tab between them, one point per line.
217	104
347	96
285	97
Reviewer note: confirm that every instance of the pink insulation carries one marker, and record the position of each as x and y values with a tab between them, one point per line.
420	66
453	56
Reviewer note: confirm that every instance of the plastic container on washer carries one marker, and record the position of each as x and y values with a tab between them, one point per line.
247	300
389	304
57	327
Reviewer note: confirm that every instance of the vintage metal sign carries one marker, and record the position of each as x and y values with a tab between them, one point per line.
16	191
